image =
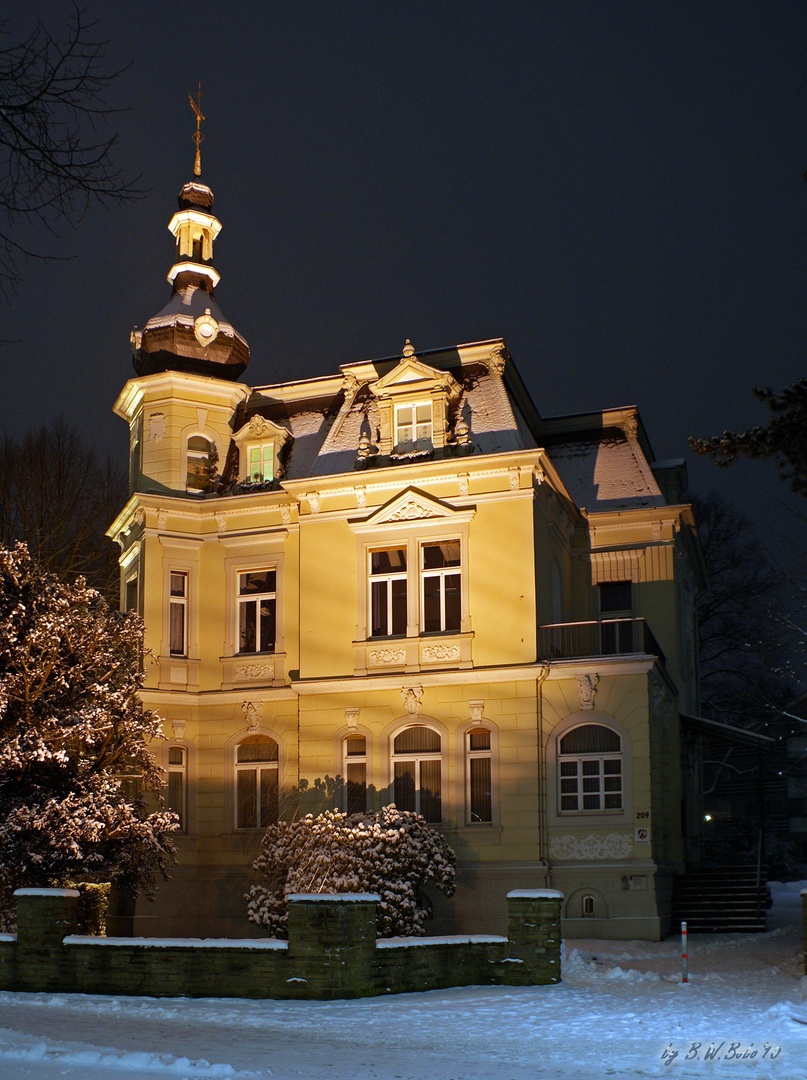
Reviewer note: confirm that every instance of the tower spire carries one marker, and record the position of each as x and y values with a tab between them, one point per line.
197	135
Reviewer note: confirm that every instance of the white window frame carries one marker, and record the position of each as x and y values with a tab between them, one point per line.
259	552
265	471
349	760
422	430
418	757
440	574
478	755
580	760
259	768
181	769
387	579
245	600
178	602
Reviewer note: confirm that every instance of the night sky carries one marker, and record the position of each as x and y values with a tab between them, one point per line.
614	188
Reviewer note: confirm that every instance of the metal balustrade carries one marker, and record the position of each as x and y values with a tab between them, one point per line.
604	637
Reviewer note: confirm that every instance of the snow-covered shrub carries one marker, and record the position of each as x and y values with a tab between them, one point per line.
392	853
75	767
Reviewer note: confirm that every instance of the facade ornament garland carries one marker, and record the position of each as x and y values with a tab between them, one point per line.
412	698
313	501
387	656
255	671
587	689
162	518
441	652
463	479
285	514
476	708
221	521
593	846
179	728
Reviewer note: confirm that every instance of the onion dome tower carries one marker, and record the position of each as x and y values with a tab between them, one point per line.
191	334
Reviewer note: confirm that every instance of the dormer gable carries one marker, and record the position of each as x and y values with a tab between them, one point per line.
260	442
415	402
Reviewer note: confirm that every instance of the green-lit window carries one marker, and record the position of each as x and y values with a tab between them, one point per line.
261	466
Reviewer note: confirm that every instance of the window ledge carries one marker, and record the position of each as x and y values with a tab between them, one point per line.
430	652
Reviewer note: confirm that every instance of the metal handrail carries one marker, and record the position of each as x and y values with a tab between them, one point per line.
597	637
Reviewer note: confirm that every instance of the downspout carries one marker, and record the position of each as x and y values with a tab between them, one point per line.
543	828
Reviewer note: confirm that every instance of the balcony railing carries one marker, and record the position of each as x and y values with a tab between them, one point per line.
606	637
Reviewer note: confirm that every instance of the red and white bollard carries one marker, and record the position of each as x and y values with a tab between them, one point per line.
684	957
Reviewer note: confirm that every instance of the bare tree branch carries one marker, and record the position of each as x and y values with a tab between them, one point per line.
56	160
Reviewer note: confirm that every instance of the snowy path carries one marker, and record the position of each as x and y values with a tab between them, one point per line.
620	1007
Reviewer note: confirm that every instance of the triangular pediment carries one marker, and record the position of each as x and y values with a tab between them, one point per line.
410	374
413	505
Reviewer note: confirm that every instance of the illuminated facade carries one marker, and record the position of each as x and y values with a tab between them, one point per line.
401	584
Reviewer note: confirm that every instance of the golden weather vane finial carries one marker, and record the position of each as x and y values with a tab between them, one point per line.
197	136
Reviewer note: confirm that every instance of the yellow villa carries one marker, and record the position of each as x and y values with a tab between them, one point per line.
400	583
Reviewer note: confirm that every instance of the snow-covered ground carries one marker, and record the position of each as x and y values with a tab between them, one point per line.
620	1011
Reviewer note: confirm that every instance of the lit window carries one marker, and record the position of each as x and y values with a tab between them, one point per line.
256	782
441	586
588	906
178	613
590	769
478	777
176	795
257	600
261	463
355	771
388	592
416	763
199	461
413	427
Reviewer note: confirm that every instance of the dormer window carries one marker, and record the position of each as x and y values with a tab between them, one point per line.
413	427
260	442
415	407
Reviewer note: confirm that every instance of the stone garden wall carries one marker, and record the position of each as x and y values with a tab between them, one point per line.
332	952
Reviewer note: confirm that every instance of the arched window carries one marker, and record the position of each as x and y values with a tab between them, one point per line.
199	459
176	797
256	782
590	769
354	747
478	799
416	761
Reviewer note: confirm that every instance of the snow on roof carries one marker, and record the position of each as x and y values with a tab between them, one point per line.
601	471
345	897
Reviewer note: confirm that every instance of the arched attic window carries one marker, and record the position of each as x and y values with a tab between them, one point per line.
200	457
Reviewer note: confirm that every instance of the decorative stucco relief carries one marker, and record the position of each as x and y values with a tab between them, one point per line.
412	698
413	510
593	846
587	689
255	671
387	656
440	652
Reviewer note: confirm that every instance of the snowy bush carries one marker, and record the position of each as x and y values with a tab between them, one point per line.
392	853
75	767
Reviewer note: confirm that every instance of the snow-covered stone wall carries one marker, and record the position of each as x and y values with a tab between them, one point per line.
332	952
